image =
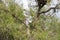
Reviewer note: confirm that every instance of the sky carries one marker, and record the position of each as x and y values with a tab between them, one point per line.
25	3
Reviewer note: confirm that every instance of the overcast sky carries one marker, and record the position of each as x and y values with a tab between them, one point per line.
25	3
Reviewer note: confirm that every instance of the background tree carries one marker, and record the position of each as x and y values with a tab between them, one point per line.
13	26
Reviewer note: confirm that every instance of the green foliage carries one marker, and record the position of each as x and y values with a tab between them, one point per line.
9	27
46	28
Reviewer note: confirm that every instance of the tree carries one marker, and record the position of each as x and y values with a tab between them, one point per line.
13	26
40	5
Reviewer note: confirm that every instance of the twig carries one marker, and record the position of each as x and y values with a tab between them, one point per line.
18	19
7	11
56	7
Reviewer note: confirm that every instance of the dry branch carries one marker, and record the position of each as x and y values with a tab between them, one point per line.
54	8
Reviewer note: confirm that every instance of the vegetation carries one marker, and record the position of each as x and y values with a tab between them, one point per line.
12	26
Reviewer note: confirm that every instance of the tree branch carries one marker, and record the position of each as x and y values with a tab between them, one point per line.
54	8
7	11
18	19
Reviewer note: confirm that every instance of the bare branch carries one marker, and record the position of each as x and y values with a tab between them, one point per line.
54	8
